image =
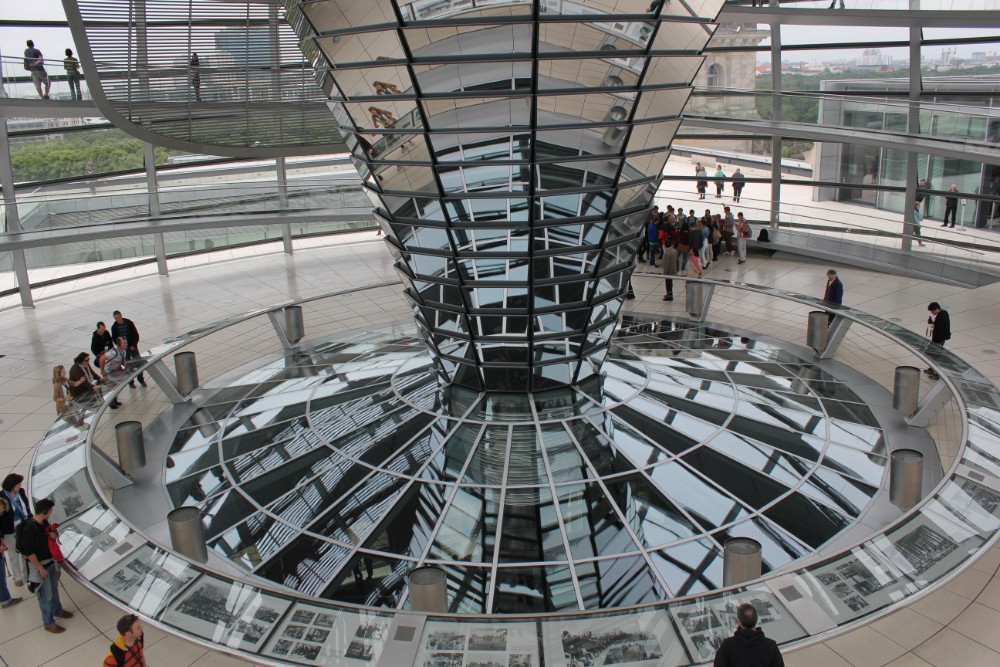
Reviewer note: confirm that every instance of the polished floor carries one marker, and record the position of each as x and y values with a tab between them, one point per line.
952	626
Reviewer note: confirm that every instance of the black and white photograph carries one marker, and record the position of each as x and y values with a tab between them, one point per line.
370	630
973	503
304	617
294	631
282	647
445	660
642	639
324	620
360	649
446	640
307	651
505	644
227	613
488	640
706	623
147	579
317	635
856	584
91	534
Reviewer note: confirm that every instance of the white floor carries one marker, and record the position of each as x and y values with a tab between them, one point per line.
955	626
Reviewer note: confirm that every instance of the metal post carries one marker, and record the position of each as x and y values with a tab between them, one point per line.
428	590
131	446
741	561
906	474
295	328
187	534
906	389
153	195
816	330
698	298
13	218
186	368
286	228
776	114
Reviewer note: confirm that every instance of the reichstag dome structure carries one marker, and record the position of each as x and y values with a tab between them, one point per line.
506	333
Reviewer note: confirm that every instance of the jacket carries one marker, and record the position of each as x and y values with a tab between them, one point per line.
834	292
670	262
748	648
126	330
100	342
942	327
9	519
120	655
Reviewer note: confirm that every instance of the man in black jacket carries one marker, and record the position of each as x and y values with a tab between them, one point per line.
939	324
125	328
100	341
748	647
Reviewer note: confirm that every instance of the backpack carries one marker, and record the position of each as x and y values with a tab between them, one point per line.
748	232
118	654
763	237
19	534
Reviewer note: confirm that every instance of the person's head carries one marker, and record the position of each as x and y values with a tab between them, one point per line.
44	507
923	181
12	482
691	212
101	327
81	358
30	44
372	110
916	205
831	275
718	167
69	52
130	627
118	316
57	374
121	342
726	209
4	505
740	215
746	614
954	187
934	307
656	208
737	170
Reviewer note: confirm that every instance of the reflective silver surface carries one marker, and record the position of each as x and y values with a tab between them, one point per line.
511	150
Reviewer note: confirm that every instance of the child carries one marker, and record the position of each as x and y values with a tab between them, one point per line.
59	381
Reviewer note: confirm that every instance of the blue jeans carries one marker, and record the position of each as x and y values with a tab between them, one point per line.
4	591
48	594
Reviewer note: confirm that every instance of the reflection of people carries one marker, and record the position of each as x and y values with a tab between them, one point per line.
748	645
702	184
938	328
720	181
951	205
381	117
834	292
917	219
195	76
383	88
72	67
739	180
35	63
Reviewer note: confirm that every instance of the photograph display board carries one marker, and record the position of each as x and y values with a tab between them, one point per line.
930	544
859	583
147	580
704	624
228	613
444	644
321	636
91	534
644	639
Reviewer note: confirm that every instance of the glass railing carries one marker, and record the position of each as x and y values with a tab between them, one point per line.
968	125
16	82
916	552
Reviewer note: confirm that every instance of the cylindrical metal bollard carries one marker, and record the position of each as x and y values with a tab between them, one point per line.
428	590
131	446
696	294
906	476
186	368
816	329
906	389
295	327
187	534
741	561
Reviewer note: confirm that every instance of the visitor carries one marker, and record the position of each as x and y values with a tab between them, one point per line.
729	228
720	181
739	180
100	341
194	73
35	63
43	568
125	328
669	267
834	292
917	218
127	650
73	76
702	183
938	329
951	205
742	234
748	647
60	385
13	493
6	551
